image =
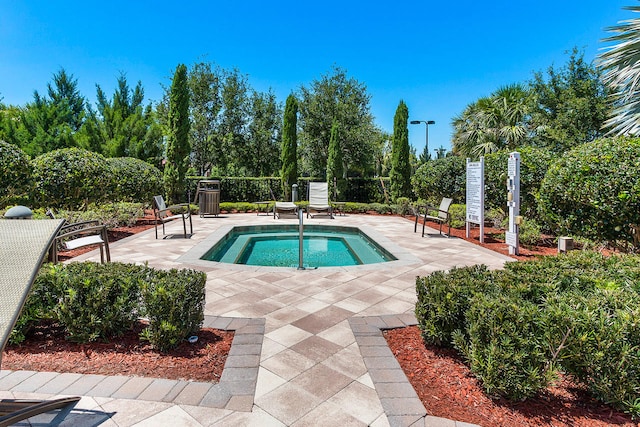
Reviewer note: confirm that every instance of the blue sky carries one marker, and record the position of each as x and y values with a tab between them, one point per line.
437	56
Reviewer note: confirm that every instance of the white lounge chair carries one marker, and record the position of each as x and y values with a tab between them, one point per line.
284	208
319	198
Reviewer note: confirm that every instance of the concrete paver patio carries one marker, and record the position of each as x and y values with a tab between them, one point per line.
308	348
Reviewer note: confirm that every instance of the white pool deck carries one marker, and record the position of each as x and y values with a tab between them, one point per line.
308	349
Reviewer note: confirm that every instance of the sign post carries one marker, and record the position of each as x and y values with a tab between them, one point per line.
513	202
475	196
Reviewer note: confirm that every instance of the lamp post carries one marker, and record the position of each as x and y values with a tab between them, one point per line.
427	123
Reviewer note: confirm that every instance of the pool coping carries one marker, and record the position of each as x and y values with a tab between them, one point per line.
193	256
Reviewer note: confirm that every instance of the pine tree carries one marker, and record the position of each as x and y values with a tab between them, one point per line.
178	147
289	145
400	166
335	166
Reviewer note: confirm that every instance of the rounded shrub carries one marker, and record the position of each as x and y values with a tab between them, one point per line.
444	298
504	347
70	178
96	301
174	304
441	178
593	191
15	172
134	180
597	336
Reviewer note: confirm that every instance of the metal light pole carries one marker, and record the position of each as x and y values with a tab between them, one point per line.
427	123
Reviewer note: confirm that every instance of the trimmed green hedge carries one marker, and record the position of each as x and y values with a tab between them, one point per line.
578	312
534	164
593	191
174	304
134	180
70	178
248	189
15	173
102	301
447	178
440	178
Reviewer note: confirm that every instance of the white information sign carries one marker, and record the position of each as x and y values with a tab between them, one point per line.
511	239
512	166
475	196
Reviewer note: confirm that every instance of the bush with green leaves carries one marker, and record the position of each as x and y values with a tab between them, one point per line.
534	164
15	173
458	214
593	191
440	178
95	301
529	232
577	312
503	344
40	303
70	178
134	180
402	206
119	214
174	305
101	301
599	337
443	300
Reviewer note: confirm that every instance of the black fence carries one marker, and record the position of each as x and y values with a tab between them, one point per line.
240	189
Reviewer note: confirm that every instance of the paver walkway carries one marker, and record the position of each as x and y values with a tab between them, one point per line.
308	351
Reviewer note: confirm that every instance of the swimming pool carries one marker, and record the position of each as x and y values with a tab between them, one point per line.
278	246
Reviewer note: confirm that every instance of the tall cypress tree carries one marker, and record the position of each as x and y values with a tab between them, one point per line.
335	166
400	166
178	147
289	145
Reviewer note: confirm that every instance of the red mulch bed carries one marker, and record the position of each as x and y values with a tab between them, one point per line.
547	247
448	389
47	350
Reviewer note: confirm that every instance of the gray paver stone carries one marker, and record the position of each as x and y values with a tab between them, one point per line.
107	386
193	393
132	388
157	390
403	406
391	390
14	378
387	375
34	382
244	349
384	362
239	374
248	361
59	383
217	397
240	403
408	421
431	421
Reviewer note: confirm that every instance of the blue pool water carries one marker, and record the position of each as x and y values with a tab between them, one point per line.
278	246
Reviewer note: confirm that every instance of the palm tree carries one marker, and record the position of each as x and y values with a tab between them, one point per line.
492	123
621	63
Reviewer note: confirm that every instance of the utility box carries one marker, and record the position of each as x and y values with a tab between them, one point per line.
565	244
208	196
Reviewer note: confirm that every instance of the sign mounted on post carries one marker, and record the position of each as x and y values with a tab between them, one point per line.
513	202
475	196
